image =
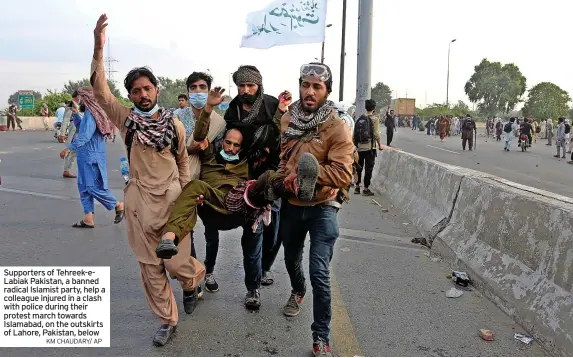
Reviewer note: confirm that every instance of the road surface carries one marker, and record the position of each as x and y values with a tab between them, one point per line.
536	168
388	296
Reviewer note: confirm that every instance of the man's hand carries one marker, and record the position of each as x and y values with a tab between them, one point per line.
214	98
197	147
64	153
200	200
291	183
285	99
62	139
99	33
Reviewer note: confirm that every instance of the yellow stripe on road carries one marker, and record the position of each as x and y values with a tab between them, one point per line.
343	336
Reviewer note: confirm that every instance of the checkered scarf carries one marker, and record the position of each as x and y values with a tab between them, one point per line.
156	133
302	123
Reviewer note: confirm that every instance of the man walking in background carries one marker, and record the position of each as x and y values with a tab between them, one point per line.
67	135
390	124
367	139
468	129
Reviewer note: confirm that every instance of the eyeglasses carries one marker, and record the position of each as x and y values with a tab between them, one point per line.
316	70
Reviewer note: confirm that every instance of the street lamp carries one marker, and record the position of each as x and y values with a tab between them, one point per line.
448	84
322	53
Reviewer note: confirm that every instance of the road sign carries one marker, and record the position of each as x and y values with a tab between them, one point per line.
26	99
224	106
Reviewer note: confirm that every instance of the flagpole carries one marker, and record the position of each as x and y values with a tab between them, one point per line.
342	52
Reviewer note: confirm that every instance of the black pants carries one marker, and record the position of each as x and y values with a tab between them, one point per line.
12	120
389	135
366	160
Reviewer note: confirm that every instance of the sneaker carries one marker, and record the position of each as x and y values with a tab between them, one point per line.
307	174
267	279
199	291
357	190
163	334
211	284
253	300
321	348
292	307
367	192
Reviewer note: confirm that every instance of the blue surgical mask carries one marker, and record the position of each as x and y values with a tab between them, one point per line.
146	114
198	100
229	158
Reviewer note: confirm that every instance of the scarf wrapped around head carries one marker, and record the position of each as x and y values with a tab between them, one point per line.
302	123
250	74
87	98
157	133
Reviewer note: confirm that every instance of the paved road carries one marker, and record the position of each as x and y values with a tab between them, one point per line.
536	168
388	296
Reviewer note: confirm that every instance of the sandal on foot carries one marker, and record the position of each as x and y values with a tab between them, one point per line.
119	214
82	225
166	249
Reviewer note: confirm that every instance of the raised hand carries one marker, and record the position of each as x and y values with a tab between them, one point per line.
285	99
99	32
215	96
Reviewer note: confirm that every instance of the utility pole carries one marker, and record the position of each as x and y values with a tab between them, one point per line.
342	52
109	60
448	85
322	53
364	62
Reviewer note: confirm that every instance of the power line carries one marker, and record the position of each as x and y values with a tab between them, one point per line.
109	63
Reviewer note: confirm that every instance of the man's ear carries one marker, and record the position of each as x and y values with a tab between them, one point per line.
158	91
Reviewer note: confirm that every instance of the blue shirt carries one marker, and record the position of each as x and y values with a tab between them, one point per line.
60	114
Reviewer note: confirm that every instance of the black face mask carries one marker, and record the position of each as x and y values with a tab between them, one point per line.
247	98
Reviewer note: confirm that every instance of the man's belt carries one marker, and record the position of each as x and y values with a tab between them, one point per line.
333	203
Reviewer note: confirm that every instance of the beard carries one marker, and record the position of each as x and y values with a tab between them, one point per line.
313	107
249	99
147	107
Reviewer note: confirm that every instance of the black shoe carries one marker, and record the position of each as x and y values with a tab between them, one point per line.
253	300
166	249
163	334
190	301
367	192
211	284
357	189
307	174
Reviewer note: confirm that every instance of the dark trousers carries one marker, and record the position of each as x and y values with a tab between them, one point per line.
271	242
366	160
389	135
12	119
251	242
467	136
321	222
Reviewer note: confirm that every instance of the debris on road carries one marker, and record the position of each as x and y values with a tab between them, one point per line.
523	338
419	240
460	278
377	203
454	293
405	223
486	334
345	249
435	259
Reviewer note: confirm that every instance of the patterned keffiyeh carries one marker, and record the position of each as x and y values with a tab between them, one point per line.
87	98
157	133
302	123
248	74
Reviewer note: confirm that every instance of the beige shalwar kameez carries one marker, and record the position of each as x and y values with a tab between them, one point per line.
156	180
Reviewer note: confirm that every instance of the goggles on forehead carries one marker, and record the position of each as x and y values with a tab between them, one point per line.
315	70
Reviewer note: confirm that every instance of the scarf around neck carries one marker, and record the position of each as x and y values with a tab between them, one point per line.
87	98
157	133
302	123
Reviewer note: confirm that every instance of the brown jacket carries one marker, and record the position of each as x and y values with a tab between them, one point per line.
333	148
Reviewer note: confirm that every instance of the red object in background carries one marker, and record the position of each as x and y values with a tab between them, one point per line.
3	128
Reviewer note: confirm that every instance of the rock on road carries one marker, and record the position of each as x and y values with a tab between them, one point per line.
388	296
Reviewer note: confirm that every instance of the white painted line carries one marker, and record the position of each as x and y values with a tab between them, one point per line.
36	194
445	150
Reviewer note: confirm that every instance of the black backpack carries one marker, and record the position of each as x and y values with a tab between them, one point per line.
363	130
129	140
467	123
507	128
567	128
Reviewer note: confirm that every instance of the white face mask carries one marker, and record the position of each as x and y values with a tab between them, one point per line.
229	158
198	100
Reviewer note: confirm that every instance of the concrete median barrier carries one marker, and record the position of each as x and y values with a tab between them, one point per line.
515	242
424	189
32	123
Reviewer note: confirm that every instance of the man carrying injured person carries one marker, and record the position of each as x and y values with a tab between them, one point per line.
224	187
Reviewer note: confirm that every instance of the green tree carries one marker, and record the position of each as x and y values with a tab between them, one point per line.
71	86
170	90
546	100
53	99
496	88
382	94
14	97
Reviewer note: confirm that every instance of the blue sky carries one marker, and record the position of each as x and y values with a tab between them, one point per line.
51	44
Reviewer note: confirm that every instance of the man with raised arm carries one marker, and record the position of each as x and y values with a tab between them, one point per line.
159	169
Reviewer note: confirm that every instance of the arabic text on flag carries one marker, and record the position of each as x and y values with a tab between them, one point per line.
286	22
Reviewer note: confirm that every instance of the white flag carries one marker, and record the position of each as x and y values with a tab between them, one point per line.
286	22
